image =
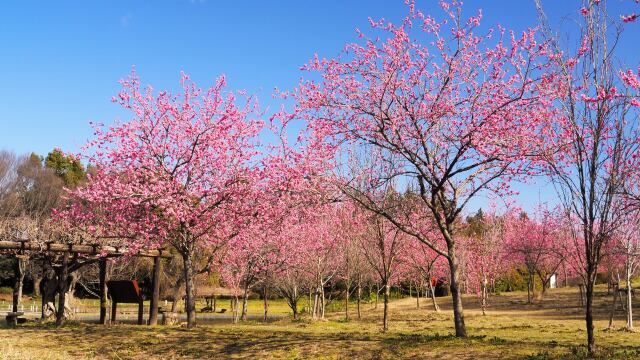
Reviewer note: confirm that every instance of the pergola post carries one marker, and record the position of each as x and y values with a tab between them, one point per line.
103	291
155	295
140	311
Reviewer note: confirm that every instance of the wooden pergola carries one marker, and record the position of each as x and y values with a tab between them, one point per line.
102	252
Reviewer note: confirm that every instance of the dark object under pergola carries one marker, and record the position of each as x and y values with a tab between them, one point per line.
119	293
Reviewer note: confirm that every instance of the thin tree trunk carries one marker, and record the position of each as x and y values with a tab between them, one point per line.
484	294
190	303
591	340
322	303
36	286
294	302
458	312
316	304
629	299
176	294
432	290
234	306
245	304
613	306
385	319
265	299
19	267
310	309
359	297
529	288
346	301
266	303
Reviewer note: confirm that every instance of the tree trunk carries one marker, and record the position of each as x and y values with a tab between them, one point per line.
458	313
591	340
529	287
377	292
385	317
19	267
294	302
546	282
629	298
48	289
189	303
234	307
346	301
245	304
37	278
176	293
322	302
155	292
265	296
359	299
72	281
613	306
484	294
432	290
62	288
316	304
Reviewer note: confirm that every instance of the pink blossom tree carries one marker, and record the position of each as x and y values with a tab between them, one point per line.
486	257
174	174
382	245
539	244
424	265
451	108
319	238
593	137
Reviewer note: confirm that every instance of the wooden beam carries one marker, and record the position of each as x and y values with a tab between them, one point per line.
155	295
80	249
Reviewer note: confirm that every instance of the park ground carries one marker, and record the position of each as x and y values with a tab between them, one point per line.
552	328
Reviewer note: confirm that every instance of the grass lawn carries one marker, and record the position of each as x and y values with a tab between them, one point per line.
549	329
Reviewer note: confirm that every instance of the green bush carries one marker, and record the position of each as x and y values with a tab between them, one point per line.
6	290
511	281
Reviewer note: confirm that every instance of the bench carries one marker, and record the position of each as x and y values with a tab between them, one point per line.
126	292
14	318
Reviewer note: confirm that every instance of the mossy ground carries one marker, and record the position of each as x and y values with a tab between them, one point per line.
552	328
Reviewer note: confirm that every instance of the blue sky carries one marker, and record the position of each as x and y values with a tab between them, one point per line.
60	60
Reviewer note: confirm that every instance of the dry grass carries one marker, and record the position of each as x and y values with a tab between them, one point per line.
549	329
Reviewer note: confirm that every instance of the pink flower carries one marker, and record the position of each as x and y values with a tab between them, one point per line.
584	11
629	18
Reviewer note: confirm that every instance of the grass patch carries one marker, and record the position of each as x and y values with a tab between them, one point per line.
551	329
